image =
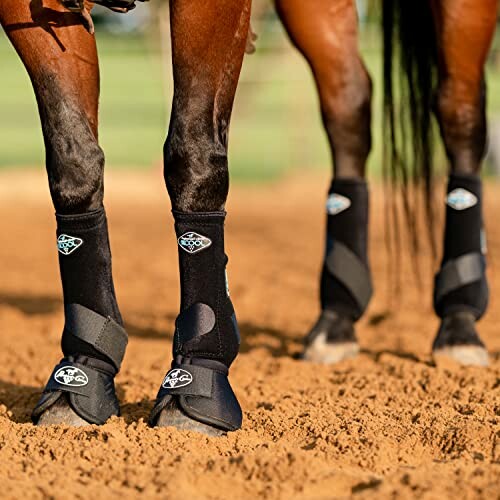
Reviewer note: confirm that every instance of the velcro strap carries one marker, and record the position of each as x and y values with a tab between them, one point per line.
188	380
459	272
104	334
350	270
69	376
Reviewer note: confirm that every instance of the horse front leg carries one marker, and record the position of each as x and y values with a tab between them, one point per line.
208	43
464	31
325	32
62	64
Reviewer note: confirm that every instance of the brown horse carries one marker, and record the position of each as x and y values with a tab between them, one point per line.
443	46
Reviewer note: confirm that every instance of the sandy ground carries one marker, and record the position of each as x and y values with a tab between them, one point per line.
389	424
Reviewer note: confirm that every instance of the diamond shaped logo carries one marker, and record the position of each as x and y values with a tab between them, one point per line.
192	242
337	203
68	244
461	199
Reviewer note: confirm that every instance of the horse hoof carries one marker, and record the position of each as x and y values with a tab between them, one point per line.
331	339
329	353
466	355
61	413
173	416
457	341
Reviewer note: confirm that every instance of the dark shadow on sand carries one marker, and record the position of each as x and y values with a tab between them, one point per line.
19	400
132	412
253	336
408	356
31	304
280	345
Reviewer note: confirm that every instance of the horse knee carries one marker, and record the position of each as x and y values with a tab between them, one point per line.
461	114
75	162
196	165
346	113
76	166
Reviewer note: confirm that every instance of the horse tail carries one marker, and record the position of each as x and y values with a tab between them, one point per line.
410	74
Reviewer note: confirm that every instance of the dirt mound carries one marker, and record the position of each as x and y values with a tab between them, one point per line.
388	424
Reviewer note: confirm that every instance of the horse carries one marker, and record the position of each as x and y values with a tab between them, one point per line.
443	45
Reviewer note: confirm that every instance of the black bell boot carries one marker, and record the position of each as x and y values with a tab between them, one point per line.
195	393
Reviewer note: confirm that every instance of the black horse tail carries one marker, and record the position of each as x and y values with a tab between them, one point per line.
410	74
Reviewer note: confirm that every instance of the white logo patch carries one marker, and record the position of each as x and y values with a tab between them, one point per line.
177	378
71	376
461	199
193	242
68	244
337	203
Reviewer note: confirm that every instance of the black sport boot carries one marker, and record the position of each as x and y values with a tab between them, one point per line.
461	290
346	286
196	394
81	389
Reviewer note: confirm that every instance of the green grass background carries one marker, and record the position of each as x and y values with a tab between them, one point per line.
275	127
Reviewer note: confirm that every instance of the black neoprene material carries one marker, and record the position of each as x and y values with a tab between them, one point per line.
206	326
463	237
349	227
86	272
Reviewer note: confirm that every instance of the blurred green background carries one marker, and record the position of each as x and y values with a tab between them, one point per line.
276	125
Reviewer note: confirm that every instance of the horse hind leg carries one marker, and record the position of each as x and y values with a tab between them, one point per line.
325	32
464	30
209	42
63	67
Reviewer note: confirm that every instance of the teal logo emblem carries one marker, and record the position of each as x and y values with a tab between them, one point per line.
337	203
192	242
461	199
68	244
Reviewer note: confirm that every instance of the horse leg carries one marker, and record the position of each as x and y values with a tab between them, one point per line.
464	30
208	43
62	64
325	32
